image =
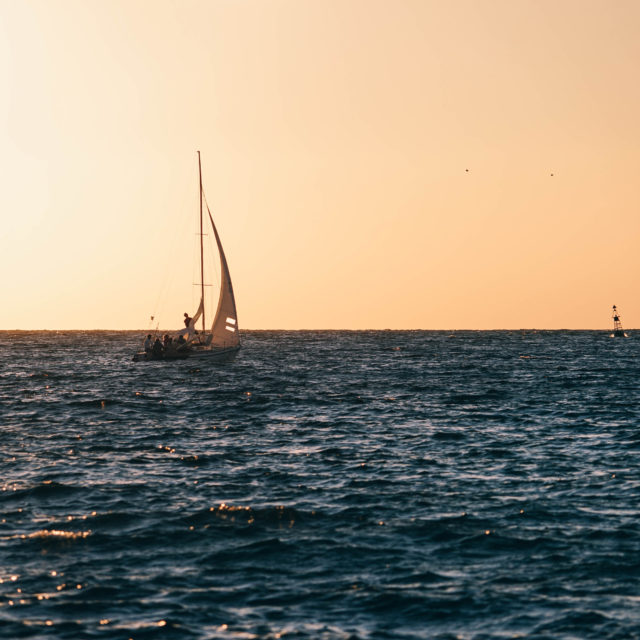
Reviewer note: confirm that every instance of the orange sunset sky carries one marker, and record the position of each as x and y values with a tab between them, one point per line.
336	136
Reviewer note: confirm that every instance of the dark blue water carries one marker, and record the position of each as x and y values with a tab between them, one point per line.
323	485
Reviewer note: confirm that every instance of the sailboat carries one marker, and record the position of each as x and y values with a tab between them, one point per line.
618	331
220	341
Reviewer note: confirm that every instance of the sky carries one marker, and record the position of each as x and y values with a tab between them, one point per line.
370	164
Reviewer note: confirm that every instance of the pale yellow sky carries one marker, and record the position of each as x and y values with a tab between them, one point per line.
336	137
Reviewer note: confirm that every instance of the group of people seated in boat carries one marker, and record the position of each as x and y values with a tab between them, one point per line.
167	346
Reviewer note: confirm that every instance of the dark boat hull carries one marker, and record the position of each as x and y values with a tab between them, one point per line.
142	356
216	354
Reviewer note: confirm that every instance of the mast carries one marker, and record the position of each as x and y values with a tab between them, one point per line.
201	248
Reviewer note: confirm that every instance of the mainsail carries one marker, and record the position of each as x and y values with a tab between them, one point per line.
224	330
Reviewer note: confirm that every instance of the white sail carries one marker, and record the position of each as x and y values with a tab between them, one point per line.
224	330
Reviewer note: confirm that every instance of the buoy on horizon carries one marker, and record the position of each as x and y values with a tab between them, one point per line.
618	331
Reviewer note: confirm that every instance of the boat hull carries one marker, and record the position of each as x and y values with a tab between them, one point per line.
218	354
142	356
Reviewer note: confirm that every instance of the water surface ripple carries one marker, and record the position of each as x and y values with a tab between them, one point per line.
352	485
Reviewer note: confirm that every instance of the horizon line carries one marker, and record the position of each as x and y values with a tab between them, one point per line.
328	329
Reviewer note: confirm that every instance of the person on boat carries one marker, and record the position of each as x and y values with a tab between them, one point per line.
180	343
187	320
157	350
148	344
166	341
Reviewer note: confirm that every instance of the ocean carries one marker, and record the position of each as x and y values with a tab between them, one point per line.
324	485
